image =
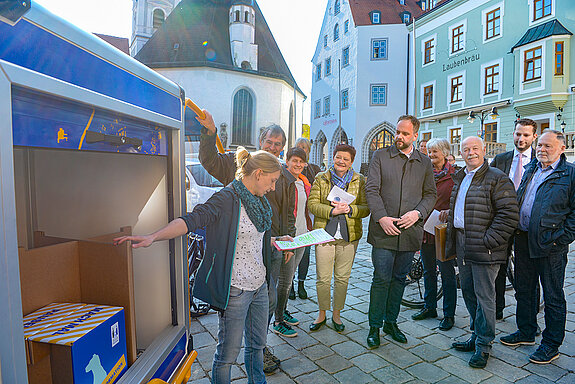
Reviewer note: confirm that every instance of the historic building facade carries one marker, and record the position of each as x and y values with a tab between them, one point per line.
361	80
223	54
482	64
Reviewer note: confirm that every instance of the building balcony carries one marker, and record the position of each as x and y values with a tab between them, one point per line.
569	144
492	149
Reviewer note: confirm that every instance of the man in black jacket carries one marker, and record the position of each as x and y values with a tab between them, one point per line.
512	163
222	166
546	228
400	193
483	214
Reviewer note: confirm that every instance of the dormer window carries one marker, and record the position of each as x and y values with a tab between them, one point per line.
375	17
405	17
158	18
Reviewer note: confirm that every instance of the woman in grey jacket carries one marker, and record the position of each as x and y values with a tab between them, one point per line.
232	276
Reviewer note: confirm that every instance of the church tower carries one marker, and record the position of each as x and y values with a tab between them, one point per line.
147	17
242	34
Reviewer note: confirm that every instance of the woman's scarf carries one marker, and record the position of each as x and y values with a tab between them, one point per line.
341	182
438	175
258	208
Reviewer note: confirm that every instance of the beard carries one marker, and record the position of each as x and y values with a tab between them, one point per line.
401	145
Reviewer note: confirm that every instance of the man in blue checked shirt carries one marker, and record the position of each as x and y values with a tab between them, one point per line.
546	228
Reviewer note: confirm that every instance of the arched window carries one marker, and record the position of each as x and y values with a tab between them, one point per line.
158	18
381	140
243	120
247	17
237	20
336	7
336	32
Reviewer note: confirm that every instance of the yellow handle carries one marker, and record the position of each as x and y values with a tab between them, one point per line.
185	371
190	104
183	374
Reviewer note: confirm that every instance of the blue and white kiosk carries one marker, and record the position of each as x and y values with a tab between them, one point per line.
91	145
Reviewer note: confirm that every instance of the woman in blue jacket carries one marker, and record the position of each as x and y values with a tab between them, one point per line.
233	275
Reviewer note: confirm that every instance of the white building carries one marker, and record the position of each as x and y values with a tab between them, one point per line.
223	54
360	73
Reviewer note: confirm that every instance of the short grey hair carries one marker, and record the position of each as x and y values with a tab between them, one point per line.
473	137
559	135
440	144
305	142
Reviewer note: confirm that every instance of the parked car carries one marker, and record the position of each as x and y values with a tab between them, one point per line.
200	185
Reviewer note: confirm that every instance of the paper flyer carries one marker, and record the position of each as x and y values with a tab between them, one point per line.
431	222
339	195
317	236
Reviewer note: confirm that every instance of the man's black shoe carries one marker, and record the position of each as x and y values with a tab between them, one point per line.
291	293
465	346
478	360
447	323
515	339
373	338
393	330
301	292
424	313
544	355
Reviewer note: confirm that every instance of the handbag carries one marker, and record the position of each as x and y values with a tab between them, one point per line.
440	239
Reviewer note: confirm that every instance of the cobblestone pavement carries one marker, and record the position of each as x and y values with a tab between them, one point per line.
328	357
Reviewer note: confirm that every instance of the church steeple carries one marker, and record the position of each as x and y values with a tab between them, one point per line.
242	34
148	16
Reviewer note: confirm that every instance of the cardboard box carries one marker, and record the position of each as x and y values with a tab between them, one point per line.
86	345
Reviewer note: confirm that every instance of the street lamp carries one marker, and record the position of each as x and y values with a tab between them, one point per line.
563	126
482	115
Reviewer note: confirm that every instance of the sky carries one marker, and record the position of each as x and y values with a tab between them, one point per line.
295	25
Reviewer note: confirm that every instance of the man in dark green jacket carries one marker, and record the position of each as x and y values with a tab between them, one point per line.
400	193
222	166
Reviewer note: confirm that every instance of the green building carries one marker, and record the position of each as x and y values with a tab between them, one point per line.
481	64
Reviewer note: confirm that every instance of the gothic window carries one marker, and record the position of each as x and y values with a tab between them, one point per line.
243	119
158	18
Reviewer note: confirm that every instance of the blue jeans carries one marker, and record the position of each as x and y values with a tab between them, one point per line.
551	271
285	281
448	282
249	308
390	269
478	289
275	269
303	267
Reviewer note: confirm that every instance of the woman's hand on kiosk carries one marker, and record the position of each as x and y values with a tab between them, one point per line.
208	122
137	241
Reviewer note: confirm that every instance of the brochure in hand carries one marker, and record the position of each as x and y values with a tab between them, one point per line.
317	236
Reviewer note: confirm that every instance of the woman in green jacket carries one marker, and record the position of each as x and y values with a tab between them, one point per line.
343	222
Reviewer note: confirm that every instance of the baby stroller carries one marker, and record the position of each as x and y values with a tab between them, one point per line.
195	256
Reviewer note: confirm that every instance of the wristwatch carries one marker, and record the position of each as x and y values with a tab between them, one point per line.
420	215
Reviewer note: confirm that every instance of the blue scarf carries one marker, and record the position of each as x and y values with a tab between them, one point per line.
341	182
258	208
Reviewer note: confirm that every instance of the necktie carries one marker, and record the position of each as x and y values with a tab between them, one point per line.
518	171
